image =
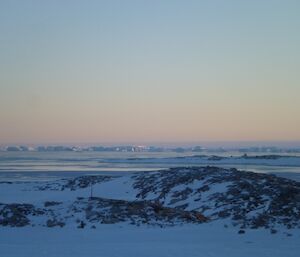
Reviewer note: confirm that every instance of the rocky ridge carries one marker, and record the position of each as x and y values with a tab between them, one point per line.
166	198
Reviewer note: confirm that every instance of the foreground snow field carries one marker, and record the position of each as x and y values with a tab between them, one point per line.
193	211
206	240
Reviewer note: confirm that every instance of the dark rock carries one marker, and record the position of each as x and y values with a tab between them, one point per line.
51	203
81	225
55	223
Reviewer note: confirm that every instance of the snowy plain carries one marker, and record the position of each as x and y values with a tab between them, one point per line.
206	240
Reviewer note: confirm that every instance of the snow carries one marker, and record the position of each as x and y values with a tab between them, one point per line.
206	240
25	193
202	240
118	188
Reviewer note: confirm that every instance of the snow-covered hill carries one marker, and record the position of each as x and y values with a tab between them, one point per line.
158	198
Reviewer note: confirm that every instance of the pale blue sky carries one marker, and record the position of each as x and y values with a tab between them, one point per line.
144	71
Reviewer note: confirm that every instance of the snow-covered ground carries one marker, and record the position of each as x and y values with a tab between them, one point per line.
67	199
207	240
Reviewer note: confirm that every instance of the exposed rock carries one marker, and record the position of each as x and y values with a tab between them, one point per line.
138	212
16	215
171	197
51	203
75	183
55	223
250	199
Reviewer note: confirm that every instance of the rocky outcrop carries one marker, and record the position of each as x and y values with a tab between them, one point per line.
248	199
138	212
166	198
17	215
95	211
74	183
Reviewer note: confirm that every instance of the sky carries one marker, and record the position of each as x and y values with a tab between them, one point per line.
149	71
